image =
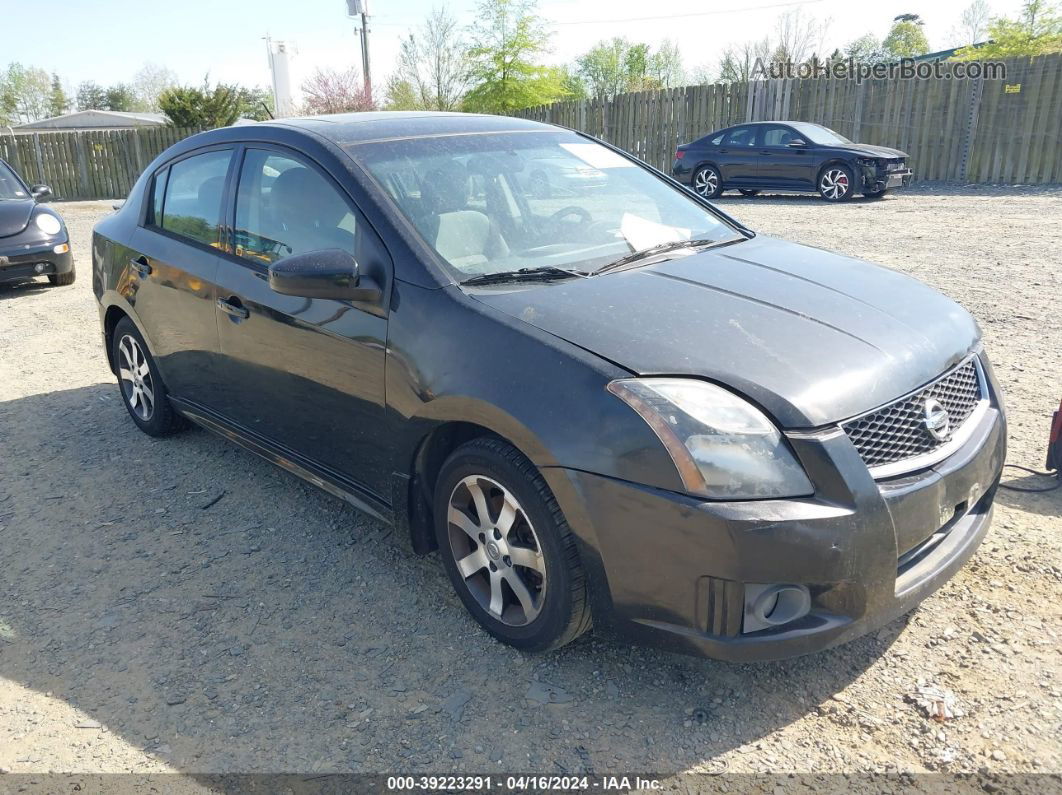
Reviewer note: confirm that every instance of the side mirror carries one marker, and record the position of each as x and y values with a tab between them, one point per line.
328	273
40	192
797	142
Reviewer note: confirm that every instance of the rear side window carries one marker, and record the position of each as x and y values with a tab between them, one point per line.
741	136
285	207
194	189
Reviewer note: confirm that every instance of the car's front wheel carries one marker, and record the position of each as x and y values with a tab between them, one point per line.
508	549
707	182
63	279
143	392
836	183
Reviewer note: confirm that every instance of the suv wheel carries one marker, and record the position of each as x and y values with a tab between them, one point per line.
507	548
835	183
143	392
707	182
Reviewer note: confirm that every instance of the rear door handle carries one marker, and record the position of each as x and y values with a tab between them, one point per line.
232	306
140	265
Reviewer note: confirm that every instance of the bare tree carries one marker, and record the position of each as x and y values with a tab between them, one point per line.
738	61
331	91
973	24
434	61
799	36
665	65
149	83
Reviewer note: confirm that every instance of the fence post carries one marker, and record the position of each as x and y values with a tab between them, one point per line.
857	122
976	87
82	166
39	155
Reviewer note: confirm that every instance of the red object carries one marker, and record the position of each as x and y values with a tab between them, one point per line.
1054	444
680	153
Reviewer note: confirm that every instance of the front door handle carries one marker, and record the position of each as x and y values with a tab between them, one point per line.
140	265
232	306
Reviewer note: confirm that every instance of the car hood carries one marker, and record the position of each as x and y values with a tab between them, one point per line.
812	336
14	216
866	150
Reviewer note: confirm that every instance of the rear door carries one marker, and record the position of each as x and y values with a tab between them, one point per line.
738	157
170	277
304	374
781	164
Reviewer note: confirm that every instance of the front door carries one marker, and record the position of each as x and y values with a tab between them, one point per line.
305	374
171	272
783	165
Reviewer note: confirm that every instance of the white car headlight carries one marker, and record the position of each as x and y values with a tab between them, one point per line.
724	447
48	223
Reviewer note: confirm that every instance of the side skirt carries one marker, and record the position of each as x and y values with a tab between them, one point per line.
320	476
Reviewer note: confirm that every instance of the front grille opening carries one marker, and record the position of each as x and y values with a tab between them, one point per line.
898	431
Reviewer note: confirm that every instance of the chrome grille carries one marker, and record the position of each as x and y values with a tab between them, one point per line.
897	432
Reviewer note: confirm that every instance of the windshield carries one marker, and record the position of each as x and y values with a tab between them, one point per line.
818	134
504	202
11	187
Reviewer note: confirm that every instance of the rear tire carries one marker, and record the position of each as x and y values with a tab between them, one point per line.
143	393
63	279
836	183
748	191
507	547
707	182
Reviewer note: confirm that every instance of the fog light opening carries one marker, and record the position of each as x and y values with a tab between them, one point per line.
40	267
773	605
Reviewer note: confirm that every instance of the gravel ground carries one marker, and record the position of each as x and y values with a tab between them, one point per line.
278	630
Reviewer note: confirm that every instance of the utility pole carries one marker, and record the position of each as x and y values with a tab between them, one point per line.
355	9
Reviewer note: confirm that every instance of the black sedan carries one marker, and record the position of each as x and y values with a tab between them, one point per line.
614	406
788	156
33	238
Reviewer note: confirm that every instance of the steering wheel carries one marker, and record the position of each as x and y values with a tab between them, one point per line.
571	209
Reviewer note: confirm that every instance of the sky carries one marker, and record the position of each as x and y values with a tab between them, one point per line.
109	40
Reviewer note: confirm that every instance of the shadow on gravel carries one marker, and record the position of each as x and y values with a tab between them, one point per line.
223	616
1046	503
23	287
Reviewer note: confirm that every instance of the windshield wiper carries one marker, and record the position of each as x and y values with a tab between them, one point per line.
653	251
543	273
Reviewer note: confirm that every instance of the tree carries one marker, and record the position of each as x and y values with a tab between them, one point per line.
255	103
867	49
149	84
799	35
25	93
906	38
1037	32
502	69
434	62
737	63
701	75
332	91
91	96
665	65
974	21
203	107
58	103
401	95
120	98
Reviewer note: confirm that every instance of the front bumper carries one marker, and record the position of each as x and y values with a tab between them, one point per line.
876	181
20	261
670	570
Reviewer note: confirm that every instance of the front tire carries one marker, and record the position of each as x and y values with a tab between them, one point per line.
507	547
836	183
63	279
748	191
707	182
143	393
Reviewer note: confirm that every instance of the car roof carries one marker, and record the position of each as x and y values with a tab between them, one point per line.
356	128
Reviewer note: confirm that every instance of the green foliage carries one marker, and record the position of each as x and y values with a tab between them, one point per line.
121	98
401	95
506	43
91	96
58	102
867	49
616	66
25	94
1037	32
906	38
433	62
202	107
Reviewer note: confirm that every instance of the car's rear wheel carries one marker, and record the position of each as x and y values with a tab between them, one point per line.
143	392
507	548
707	182
63	279
836	183
748	191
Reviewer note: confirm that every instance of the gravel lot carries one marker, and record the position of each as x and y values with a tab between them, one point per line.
278	630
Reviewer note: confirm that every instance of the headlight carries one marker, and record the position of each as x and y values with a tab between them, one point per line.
724	447
48	223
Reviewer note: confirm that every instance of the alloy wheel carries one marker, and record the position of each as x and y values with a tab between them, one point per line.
496	550
135	375
706	182
834	183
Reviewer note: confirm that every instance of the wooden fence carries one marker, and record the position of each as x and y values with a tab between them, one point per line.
87	164
971	130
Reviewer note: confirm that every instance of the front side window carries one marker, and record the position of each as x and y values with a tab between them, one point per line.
777	136
285	207
192	207
741	136
506	201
